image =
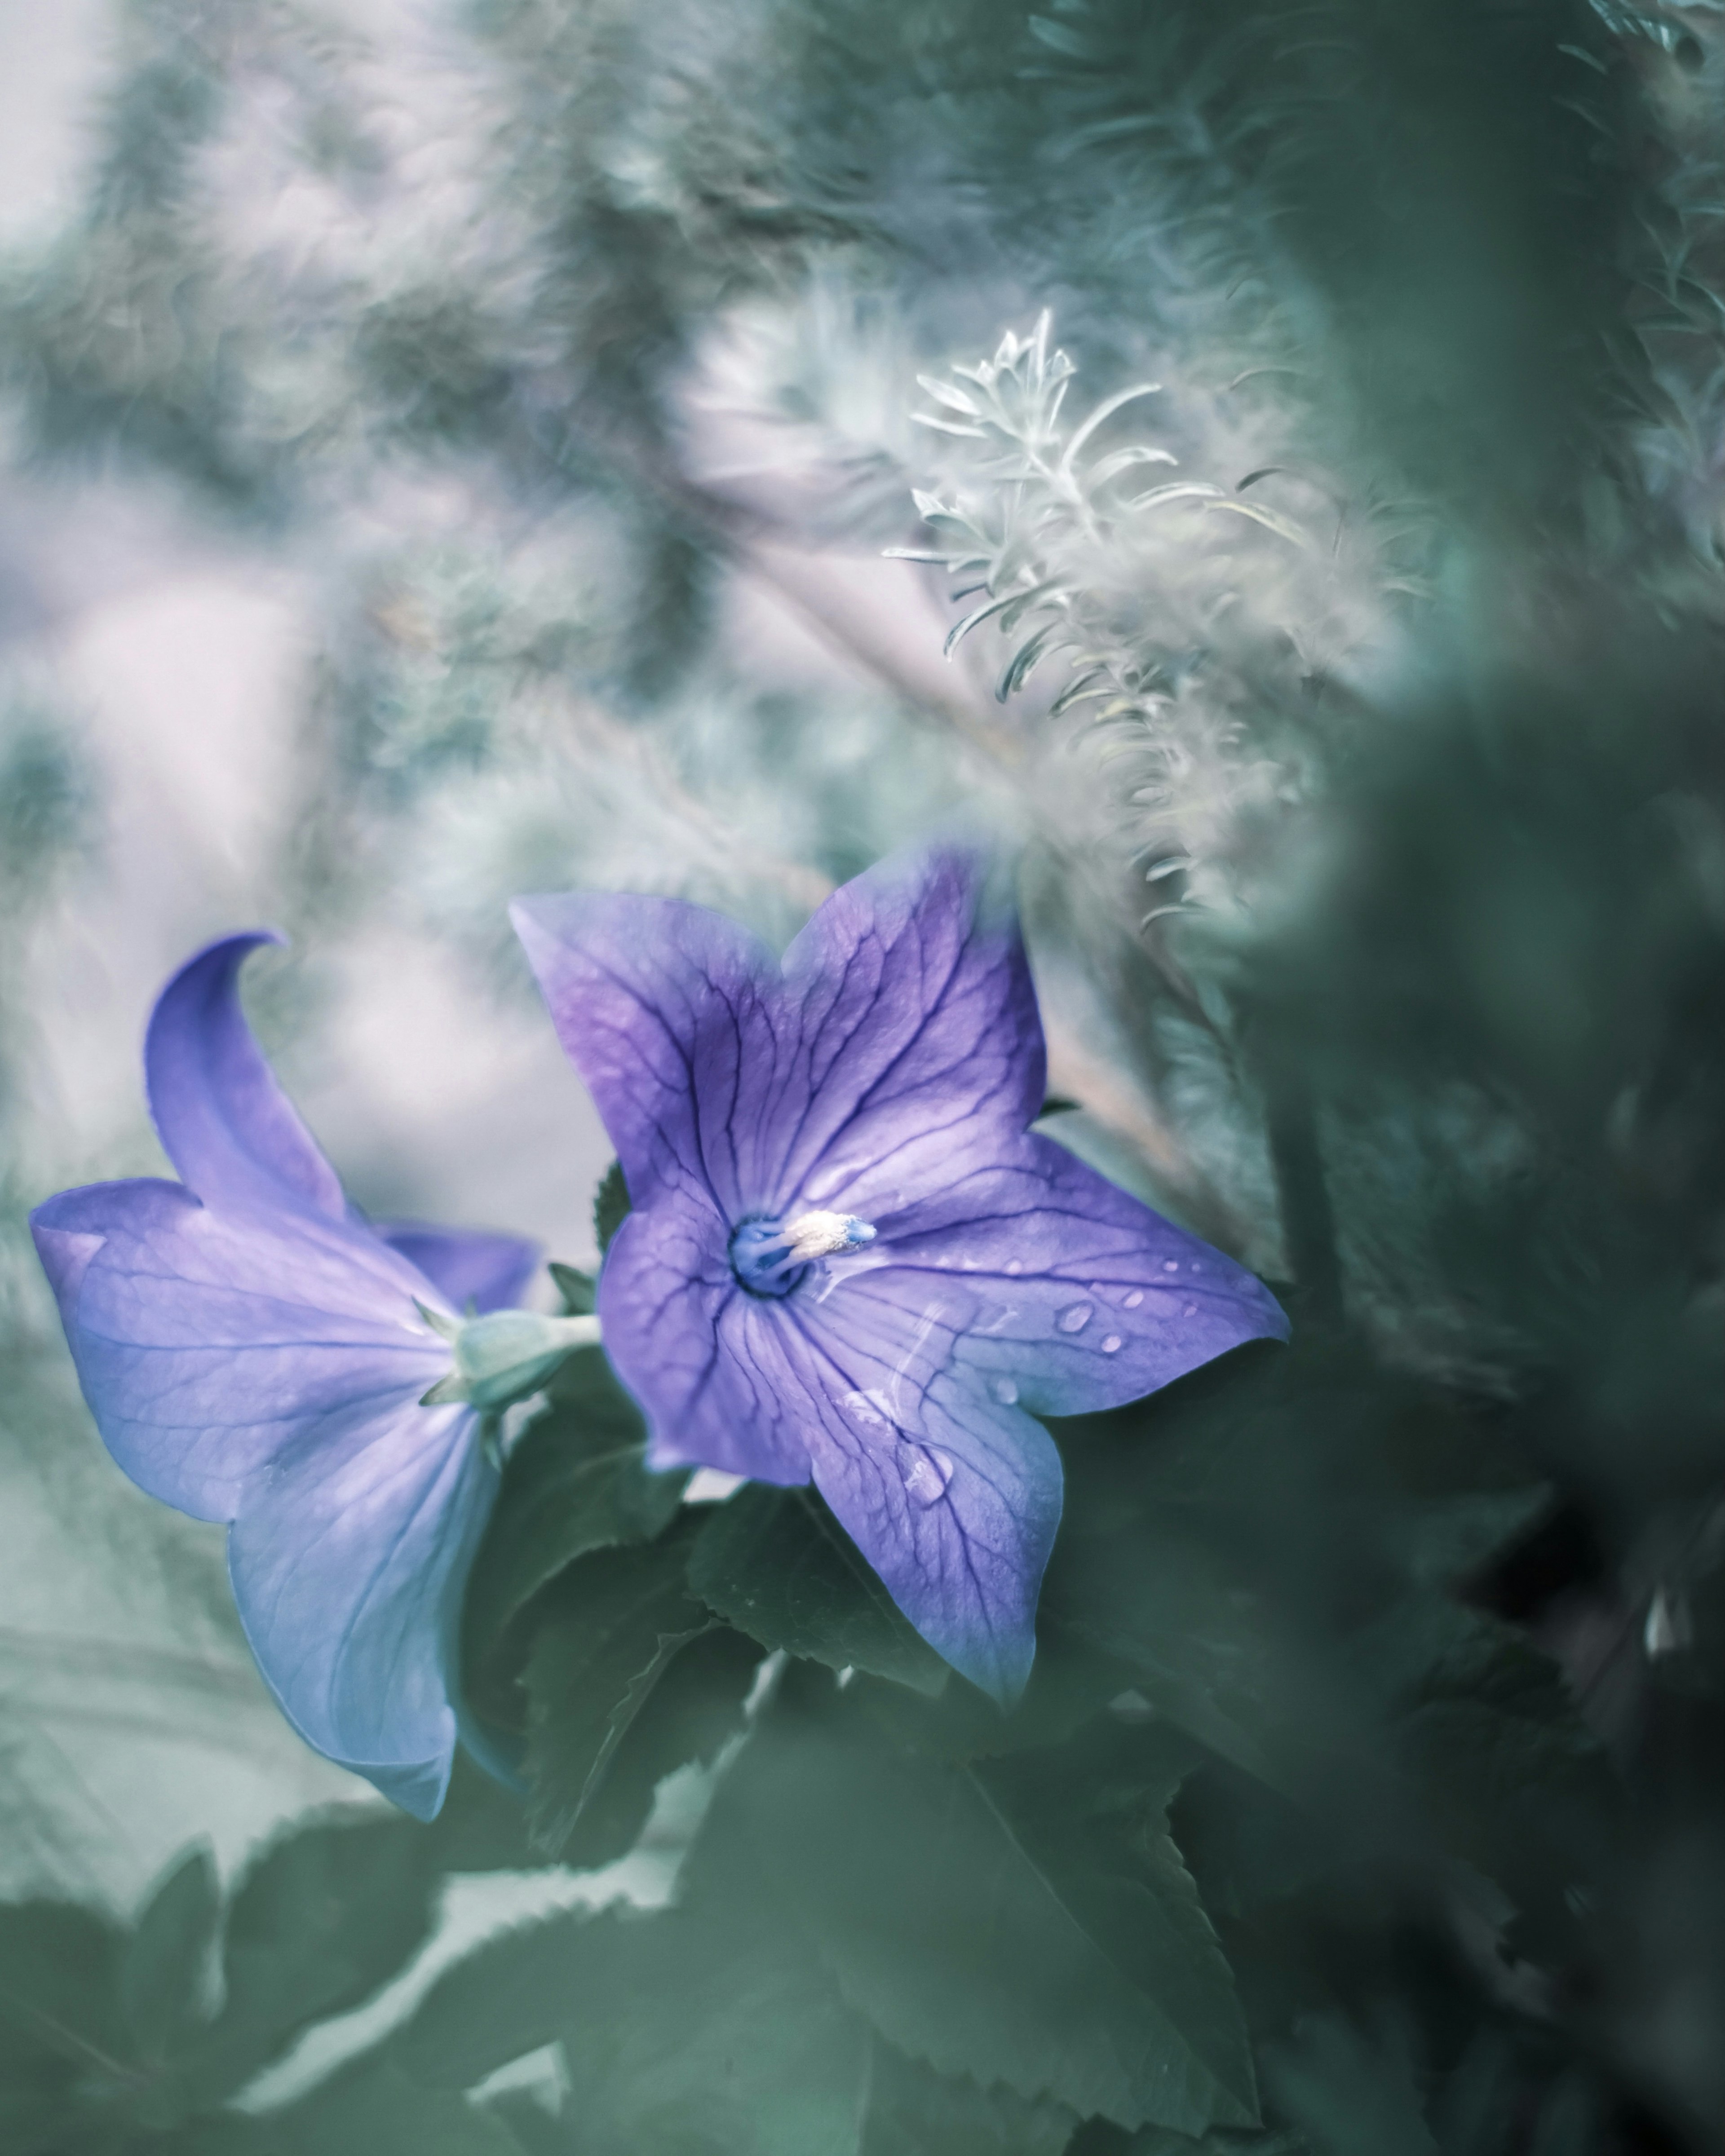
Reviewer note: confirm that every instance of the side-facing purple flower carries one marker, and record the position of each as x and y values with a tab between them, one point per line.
254	1351
848	1257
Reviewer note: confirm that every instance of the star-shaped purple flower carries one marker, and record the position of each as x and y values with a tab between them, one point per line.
254	1351
848	1257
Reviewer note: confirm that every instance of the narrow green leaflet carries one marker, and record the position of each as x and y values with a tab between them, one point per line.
967	1950
162	1971
607	1634
778	1566
576	1481
682	2036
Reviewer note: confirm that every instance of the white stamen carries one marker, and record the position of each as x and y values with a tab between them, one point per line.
822	1234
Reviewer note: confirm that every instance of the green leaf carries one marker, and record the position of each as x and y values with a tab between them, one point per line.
372	2108
322	1919
576	1481
694	1710
915	2112
579	1290
610	1206
609	1631
682	2036
62	2040
967	1948
1346	2098
162	1971
777	1565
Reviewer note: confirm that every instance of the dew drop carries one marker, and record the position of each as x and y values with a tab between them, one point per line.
1135	1298
1076	1317
1015	1265
1198	1264
1171	1265
1004	1391
926	1476
1190	1310
1111	1345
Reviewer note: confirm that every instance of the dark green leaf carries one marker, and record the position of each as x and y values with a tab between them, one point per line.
1347	2098
579	1290
777	1565
682	2036
610	1206
162	1974
607	1634
63	2042
969	1951
575	1481
915	2112
324	1918
695	1708
372	2108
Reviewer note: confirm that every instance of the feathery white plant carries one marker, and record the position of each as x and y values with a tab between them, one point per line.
1195	624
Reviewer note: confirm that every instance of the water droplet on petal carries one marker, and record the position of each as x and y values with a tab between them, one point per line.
1190	1310
1135	1298
927	1475
1076	1317
1015	1265
1198	1264
1004	1391
1171	1265
1111	1345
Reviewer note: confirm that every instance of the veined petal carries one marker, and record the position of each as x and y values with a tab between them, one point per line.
918	1050
227	1127
205	1345
1057	1284
696	1351
952	1496
463	1264
347	1561
666	1010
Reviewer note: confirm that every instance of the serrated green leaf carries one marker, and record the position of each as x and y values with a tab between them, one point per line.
607	1634
575	1481
610	1205
162	1971
323	1918
777	1565
971	1952
913	2111
683	2036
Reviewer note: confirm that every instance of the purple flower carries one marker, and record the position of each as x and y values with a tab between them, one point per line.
848	1257
254	1351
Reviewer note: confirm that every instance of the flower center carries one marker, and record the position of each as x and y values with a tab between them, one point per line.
770	1257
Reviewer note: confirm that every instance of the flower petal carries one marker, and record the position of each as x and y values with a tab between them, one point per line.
695	1350
666	1011
1055	1284
463	1264
951	1497
917	1047
347	1561
206	1344
225	1124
